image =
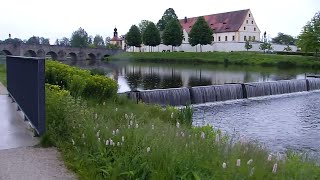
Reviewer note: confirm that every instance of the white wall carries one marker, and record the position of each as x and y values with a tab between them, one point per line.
218	46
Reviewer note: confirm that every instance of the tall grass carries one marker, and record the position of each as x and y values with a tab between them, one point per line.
123	140
3	74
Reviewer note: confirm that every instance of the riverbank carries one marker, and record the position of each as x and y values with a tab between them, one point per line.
3	75
237	58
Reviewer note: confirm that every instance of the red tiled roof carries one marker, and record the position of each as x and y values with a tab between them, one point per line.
222	22
115	38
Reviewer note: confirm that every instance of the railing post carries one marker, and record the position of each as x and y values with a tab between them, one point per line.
308	85
244	91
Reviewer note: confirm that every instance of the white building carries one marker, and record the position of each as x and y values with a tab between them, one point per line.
230	32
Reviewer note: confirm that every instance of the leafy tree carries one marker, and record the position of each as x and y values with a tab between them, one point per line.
15	41
44	41
201	33
309	39
143	25
248	45
57	42
65	42
108	39
79	38
173	34
113	46
288	48
265	45
167	16
34	40
151	35
98	41
133	37
284	39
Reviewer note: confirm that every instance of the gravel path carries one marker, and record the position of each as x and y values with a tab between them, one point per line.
30	163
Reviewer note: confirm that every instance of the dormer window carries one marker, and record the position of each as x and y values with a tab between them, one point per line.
251	22
254	29
247	21
244	28
224	23
249	15
227	28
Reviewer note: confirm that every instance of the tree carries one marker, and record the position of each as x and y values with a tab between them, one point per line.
173	34
143	25
167	16
288	48
201	33
265	45
284	39
15	41
65	42
133	37
79	38
309	38
151	35
98	41
248	45
57	42
44	41
34	40
108	39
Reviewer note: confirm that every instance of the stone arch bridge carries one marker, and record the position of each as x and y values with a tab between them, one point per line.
61	53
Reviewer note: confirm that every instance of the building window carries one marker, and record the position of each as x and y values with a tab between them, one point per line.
249	15
253	38
233	38
244	28
251	22
212	38
247	21
184	39
249	38
245	38
254	29
219	38
226	38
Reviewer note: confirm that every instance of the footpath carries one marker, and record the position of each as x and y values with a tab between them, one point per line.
19	156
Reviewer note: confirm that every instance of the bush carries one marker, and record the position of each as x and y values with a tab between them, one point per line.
80	82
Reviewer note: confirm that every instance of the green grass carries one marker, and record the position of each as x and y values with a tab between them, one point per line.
237	58
154	147
3	74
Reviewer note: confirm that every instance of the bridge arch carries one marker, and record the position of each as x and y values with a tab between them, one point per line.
30	53
105	57
72	57
92	58
53	55
41	53
5	52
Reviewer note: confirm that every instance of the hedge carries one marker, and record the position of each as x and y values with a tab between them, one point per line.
80	82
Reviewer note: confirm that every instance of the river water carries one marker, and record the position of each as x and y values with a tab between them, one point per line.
284	122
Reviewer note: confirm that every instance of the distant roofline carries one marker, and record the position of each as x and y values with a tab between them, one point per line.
215	14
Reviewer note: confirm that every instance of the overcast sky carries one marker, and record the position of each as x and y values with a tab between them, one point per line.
59	18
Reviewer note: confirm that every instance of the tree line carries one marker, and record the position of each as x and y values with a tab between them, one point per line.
79	38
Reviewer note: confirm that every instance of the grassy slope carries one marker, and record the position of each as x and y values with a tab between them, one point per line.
3	75
243	58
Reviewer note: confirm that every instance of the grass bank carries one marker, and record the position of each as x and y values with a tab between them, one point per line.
237	58
3	75
114	138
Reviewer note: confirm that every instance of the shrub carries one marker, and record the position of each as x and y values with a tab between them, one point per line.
80	82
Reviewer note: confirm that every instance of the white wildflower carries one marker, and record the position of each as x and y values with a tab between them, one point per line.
182	134
131	123
98	139
152	127
129	126
217	138
148	149
73	143
251	171
104	103
269	157
107	142
74	127
224	165
249	162
186	145
83	135
113	132
118	144
274	169
96	116
98	134
122	138
203	135
111	142
137	125
178	125
131	116
116	109
189	135
126	116
238	162
172	115
117	131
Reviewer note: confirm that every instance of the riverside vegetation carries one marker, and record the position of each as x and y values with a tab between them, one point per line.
109	137
237	58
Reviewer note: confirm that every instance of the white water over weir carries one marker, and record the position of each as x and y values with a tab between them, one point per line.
214	93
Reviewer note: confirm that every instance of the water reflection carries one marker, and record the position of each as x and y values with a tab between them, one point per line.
159	76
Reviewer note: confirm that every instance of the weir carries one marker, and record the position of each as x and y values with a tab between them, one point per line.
214	93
